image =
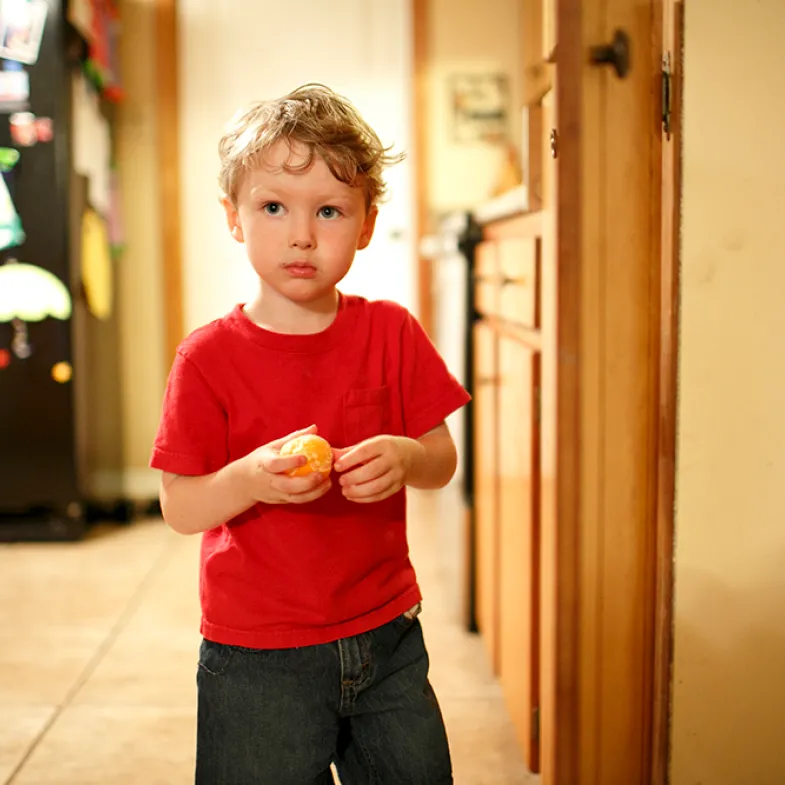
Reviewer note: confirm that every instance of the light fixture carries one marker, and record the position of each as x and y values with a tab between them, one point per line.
30	294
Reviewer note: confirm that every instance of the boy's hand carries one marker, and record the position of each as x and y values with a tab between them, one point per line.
376	468
268	481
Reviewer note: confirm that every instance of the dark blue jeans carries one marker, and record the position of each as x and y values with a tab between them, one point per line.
280	717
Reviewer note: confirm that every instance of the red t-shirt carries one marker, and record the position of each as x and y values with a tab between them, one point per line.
279	576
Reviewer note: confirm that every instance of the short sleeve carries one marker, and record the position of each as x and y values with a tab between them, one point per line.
430	392
192	436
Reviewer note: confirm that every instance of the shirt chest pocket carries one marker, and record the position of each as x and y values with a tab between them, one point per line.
366	413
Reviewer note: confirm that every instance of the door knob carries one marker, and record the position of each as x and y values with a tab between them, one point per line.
616	54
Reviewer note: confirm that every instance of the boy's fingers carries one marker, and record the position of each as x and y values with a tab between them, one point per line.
278	443
364	473
312	496
356	456
291	486
278	464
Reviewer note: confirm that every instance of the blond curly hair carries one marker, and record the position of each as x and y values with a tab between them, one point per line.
327	124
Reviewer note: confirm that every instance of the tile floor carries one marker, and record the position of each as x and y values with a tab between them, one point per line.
97	660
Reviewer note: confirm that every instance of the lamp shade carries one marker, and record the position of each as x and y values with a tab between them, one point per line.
30	293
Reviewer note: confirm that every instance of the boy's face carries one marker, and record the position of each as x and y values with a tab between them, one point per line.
301	231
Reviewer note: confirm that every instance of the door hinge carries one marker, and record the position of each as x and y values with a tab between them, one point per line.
667	93
536	725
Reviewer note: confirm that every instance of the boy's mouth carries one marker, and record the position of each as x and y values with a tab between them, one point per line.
300	269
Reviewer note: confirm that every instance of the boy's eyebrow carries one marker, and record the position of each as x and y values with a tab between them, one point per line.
283	192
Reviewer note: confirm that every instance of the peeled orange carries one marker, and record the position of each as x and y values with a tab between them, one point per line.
315	449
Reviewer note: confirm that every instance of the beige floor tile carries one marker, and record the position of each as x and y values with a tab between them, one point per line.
121	746
171	600
133	720
86	583
436	541
110	549
40	665
484	750
145	670
152	661
20	725
60	602
186	555
459	665
93	602
167	610
438	606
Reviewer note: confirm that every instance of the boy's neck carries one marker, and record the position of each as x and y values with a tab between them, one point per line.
278	314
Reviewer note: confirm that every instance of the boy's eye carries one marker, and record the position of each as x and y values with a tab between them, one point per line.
329	212
272	208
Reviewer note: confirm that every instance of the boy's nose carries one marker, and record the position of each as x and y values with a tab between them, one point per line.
302	235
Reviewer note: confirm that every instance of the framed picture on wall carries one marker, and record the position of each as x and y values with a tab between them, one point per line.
21	29
480	107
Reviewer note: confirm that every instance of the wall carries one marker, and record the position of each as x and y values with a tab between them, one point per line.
139	286
360	47
357	46
729	676
469	38
265	49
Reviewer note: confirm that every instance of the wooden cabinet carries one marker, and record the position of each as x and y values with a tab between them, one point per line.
518	522
486	277
582	520
519	279
514	296
507	465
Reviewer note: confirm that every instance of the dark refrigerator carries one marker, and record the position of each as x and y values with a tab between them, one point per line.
61	445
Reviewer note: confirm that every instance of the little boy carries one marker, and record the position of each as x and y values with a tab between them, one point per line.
312	652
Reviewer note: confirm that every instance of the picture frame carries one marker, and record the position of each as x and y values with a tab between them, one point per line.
21	30
480	107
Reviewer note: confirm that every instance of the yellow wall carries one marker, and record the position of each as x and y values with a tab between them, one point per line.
139	269
729	677
469	38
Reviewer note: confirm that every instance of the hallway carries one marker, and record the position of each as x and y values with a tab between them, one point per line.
97	661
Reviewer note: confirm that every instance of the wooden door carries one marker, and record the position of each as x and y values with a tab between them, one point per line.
486	467
600	544
519	534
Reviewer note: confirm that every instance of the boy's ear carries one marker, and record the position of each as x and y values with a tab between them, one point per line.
368	226
232	219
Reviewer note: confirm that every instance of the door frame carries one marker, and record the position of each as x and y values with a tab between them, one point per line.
672	19
169	195
594	590
420	33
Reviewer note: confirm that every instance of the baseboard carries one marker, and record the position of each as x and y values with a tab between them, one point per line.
106	485
142	484
131	485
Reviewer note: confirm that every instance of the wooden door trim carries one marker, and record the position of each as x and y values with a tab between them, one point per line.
560	753
421	21
672	16
167	134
